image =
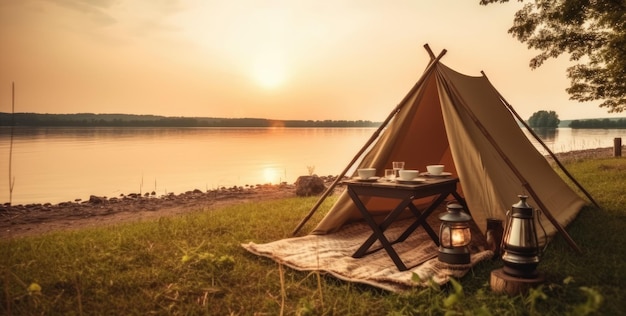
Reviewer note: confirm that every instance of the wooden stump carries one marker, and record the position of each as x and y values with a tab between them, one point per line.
501	282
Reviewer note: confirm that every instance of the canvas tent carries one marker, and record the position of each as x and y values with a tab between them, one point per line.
449	118
464	123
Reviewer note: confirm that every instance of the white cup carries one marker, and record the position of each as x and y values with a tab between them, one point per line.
366	173
435	169
407	175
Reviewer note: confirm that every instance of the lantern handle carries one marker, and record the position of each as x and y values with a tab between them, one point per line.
505	233
545	235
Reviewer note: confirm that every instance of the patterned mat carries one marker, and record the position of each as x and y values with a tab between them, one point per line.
332	253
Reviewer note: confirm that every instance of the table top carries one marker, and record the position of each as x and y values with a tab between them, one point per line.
382	182
422	188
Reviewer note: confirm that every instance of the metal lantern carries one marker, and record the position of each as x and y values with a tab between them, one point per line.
454	235
520	244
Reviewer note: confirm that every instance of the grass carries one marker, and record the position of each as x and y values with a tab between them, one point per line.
194	265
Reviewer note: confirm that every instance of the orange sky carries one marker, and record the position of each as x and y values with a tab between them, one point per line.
305	59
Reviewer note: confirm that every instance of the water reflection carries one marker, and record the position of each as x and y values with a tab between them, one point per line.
272	175
568	139
547	135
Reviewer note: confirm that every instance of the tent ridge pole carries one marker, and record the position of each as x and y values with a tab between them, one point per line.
543	144
374	136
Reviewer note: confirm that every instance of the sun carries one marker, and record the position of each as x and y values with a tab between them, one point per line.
269	70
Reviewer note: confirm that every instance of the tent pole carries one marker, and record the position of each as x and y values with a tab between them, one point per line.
374	136
429	51
558	162
525	183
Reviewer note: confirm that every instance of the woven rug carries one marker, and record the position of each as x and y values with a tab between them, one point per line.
332	253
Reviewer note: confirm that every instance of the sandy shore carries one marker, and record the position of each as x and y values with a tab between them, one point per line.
33	219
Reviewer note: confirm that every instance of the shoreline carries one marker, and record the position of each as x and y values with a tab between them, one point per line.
37	218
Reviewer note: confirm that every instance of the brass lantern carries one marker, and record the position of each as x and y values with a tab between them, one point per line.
454	235
520	245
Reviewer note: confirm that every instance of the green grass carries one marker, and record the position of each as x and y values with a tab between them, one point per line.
194	265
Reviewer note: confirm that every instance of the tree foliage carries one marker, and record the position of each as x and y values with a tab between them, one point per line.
599	123
592	32
544	119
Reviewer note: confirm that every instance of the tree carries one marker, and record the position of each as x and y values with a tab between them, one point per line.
544	119
592	32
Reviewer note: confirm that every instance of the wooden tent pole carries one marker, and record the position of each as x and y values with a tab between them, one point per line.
374	136
519	175
558	162
430	52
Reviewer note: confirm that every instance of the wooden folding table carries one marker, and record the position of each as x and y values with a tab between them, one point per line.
440	188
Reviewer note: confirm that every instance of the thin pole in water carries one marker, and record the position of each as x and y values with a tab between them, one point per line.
11	177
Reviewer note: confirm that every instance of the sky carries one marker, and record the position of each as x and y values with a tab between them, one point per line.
290	59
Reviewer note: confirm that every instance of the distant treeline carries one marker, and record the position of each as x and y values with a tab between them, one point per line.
131	120
599	123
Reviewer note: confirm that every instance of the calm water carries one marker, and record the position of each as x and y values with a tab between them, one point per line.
567	139
63	164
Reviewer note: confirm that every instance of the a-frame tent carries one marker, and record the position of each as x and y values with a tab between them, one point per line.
464	123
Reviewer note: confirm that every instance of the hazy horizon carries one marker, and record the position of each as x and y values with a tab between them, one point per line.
283	60
151	114
269	118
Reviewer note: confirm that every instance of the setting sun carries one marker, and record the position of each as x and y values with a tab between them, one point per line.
269	70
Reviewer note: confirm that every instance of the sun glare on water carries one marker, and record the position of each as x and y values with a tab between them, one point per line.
271	175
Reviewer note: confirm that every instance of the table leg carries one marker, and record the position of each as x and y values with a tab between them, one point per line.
421	220
379	230
382	226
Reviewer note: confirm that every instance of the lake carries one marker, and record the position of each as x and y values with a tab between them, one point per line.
63	164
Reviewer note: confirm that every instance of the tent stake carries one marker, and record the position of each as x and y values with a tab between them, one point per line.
517	173
374	136
558	162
